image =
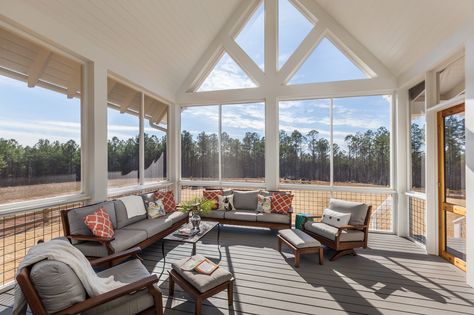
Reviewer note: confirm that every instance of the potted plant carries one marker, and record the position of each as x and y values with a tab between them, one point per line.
198	206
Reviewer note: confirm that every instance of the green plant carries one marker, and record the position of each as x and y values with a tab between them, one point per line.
198	205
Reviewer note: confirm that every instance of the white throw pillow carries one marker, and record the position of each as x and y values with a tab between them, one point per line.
264	204
155	209
335	218
226	203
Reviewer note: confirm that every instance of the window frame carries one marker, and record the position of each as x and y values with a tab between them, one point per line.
141	183
251	183
392	129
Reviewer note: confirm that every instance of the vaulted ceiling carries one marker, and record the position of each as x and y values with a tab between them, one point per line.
166	38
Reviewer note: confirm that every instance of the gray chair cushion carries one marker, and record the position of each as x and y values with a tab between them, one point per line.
150	226
175	216
216	214
150	197
273	218
201	281
357	210
243	215
122	218
139	301
298	238
245	200
57	285
76	217
330	232
124	239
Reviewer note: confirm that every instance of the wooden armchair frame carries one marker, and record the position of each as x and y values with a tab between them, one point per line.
37	307
342	248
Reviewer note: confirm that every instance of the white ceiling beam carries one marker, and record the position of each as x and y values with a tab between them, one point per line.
244	61
214	51
37	67
359	53
111	83
74	83
128	101
376	86
300	55
158	115
271	38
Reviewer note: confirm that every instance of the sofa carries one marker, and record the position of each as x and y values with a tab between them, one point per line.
138	231
246	214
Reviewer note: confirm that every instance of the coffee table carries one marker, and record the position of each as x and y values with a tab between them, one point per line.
205	227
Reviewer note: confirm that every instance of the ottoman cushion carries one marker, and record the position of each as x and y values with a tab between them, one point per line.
200	281
298	238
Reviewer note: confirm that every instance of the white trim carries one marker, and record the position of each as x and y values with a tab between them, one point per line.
447	104
141	141
250	68
137	188
415	194
41	204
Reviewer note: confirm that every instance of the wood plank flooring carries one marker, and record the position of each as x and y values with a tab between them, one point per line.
392	276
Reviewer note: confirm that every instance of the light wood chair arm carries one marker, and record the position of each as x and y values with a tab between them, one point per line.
358	227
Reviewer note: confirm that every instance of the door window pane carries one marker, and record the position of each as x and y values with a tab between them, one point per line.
456	235
454	144
199	142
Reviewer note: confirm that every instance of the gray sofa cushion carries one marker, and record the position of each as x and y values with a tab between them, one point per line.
215	214
150	197
139	301
242	215
329	232
57	285
76	218
124	239
122	218
175	216
201	281
245	200
273	218
150	226
227	192
299	238
357	210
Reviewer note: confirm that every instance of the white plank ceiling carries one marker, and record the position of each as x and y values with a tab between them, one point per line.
400	32
167	37
162	36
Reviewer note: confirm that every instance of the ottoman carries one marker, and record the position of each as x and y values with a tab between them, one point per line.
201	286
300	243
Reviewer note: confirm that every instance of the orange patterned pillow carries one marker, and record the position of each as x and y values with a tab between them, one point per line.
99	223
167	197
213	195
281	203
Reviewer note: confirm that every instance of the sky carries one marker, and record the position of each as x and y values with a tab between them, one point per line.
29	114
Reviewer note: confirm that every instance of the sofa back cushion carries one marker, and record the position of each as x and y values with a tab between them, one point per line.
358	210
57	285
245	200
76	217
122	216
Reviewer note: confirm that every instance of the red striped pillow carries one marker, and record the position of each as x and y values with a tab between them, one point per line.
167	197
281	203
99	223
213	195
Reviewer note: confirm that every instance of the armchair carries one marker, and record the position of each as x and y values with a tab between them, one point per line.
345	238
51	287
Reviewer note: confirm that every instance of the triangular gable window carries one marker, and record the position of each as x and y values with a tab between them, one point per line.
293	27
327	64
252	37
226	75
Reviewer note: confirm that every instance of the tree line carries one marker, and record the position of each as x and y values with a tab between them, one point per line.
20	165
303	157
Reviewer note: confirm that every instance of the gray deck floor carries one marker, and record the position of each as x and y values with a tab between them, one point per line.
393	276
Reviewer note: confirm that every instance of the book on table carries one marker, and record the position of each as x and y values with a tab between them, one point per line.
199	264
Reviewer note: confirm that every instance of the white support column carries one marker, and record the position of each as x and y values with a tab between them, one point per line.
174	148
431	168
469	116
141	144
272	143
95	132
402	126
